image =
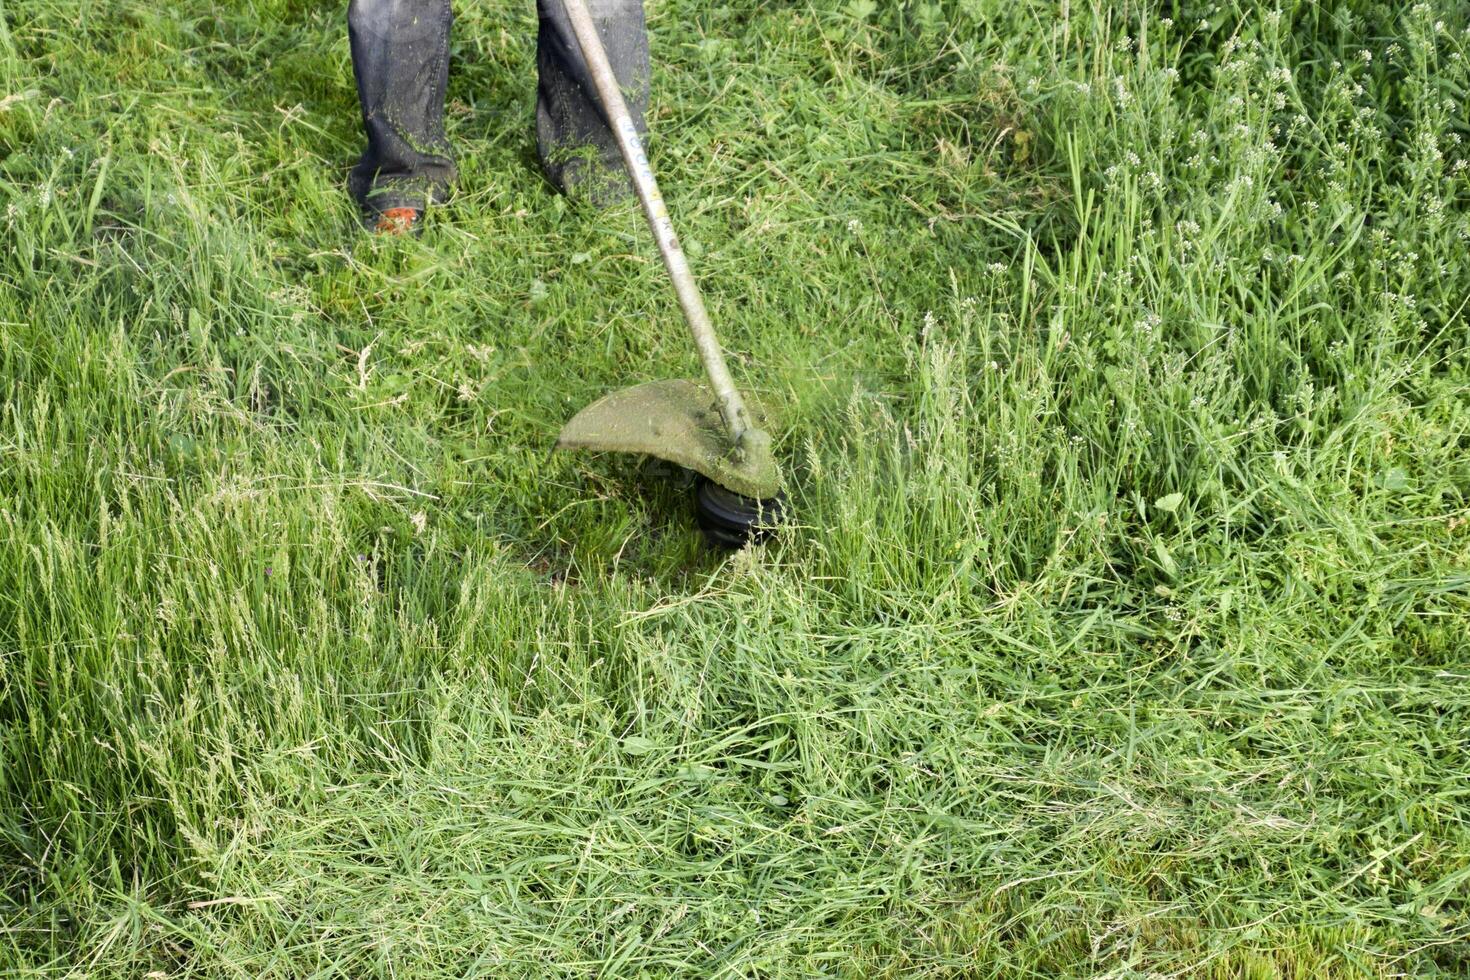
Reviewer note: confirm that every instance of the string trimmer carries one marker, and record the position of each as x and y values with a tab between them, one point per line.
709	429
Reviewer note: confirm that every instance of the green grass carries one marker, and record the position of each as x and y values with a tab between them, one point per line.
1121	357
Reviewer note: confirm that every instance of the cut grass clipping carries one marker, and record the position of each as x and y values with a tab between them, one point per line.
1120	354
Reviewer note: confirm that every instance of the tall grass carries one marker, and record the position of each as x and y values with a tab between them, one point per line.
1120	352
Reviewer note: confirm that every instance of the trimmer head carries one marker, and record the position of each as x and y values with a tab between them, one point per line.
678	421
731	520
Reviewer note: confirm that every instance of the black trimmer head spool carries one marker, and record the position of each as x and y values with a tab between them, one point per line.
732	521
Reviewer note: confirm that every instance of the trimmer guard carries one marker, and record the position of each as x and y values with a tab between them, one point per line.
678	421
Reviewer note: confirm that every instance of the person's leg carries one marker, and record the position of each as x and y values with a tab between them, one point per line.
577	147
400	55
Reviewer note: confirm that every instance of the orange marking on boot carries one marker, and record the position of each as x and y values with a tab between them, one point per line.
396	221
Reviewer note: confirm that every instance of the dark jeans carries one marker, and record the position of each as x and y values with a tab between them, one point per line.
400	55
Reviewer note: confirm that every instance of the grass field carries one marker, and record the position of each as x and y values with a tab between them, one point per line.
1120	353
